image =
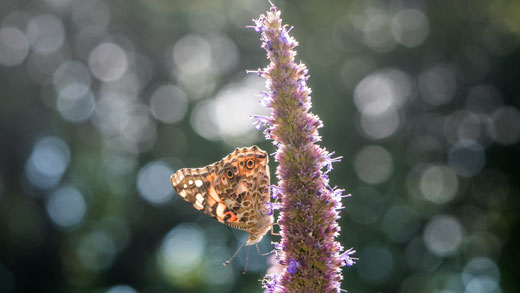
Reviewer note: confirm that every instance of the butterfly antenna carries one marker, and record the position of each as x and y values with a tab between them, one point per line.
233	256
247	260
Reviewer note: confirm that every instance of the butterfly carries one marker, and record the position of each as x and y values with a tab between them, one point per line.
234	190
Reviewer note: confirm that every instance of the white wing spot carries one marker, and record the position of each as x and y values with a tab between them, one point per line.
183	193
190	182
220	210
185	186
198	183
200	198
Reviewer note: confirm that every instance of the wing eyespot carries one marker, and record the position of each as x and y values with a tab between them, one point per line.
229	174
250	164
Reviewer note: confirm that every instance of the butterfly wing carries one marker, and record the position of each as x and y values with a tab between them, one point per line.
194	186
233	191
243	182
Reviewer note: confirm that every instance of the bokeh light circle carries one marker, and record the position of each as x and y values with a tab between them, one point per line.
47	163
168	104
181	253
382	91
14	46
481	275
72	73
192	54
75	108
410	27
437	84
108	61
96	250
506	121
373	164
443	235
153	182
380	126
466	158
66	207
121	289
45	33
438	184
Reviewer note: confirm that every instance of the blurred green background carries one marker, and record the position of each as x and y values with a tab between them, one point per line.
102	100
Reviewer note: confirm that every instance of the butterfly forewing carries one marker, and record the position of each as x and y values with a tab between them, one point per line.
193	186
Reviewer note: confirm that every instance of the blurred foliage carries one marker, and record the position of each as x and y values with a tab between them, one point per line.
102	100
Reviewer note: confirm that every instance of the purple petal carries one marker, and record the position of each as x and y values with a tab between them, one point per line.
293	266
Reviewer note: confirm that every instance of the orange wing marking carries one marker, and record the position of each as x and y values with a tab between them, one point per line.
232	217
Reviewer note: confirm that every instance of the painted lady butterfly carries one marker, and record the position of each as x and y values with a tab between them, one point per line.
234	191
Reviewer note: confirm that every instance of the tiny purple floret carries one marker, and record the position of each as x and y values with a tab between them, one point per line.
293	266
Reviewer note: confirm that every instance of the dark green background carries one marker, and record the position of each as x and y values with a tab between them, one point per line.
419	97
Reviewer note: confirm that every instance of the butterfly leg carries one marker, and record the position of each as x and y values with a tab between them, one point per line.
247	260
234	255
263	254
272	233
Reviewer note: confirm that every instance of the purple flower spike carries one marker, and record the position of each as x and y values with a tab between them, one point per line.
309	208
